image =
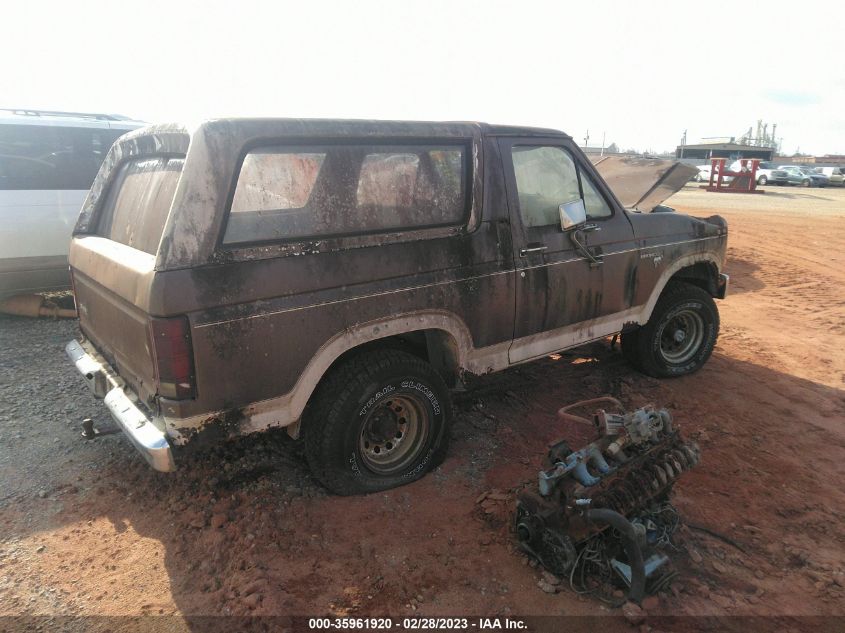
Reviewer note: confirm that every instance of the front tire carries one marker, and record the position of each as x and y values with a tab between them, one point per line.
680	335
762	180
378	421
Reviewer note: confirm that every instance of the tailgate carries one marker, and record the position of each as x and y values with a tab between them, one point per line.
113	254
119	331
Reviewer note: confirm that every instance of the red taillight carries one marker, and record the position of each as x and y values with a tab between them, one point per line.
173	356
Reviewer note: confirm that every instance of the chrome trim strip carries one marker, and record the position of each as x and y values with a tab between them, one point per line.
441	283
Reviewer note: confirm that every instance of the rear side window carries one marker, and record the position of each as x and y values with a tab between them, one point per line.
41	157
275	180
299	192
138	200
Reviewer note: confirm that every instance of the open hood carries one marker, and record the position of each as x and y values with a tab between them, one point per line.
643	183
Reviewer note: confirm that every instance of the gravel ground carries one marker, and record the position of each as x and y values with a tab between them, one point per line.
86	528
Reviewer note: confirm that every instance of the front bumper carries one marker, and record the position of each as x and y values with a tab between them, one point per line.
722	286
105	383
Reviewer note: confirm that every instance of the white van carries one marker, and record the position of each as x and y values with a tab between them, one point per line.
48	161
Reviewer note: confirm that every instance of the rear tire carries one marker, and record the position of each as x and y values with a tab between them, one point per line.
378	421
762	180
680	335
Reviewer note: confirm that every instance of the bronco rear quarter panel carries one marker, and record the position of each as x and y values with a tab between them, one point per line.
267	319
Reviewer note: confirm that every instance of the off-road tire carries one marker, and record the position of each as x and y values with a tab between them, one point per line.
643	347
334	421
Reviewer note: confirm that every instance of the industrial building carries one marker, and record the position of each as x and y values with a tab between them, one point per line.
732	150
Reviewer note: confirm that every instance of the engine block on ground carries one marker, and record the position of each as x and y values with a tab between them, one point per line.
616	488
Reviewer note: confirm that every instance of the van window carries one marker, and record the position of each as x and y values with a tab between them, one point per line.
292	193
42	157
138	200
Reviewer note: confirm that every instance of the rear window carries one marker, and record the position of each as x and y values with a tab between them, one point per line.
291	193
138	200
41	157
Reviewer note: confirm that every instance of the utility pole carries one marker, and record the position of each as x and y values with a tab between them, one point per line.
602	144
587	139
683	143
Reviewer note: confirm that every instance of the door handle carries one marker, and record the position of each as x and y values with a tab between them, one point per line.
534	247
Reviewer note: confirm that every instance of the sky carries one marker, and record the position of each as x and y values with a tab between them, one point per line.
635	73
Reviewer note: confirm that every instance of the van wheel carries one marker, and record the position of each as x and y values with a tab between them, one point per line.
378	421
680	335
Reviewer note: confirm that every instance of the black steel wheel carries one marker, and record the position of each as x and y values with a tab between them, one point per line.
680	335
378	421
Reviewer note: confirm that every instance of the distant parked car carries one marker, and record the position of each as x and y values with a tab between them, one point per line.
703	174
769	174
818	179
834	175
803	176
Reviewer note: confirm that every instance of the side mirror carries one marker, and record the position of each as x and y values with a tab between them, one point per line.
572	214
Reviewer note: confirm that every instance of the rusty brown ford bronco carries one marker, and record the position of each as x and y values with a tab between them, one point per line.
337	278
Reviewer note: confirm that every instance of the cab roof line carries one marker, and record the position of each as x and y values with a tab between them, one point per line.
381	127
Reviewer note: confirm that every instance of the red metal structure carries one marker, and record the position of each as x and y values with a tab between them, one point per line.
743	181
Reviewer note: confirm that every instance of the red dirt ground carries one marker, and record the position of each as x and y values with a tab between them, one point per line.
251	532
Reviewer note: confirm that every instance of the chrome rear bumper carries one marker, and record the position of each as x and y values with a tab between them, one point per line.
104	383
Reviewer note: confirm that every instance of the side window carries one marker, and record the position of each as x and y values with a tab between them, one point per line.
594	202
546	178
290	193
276	180
388	179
